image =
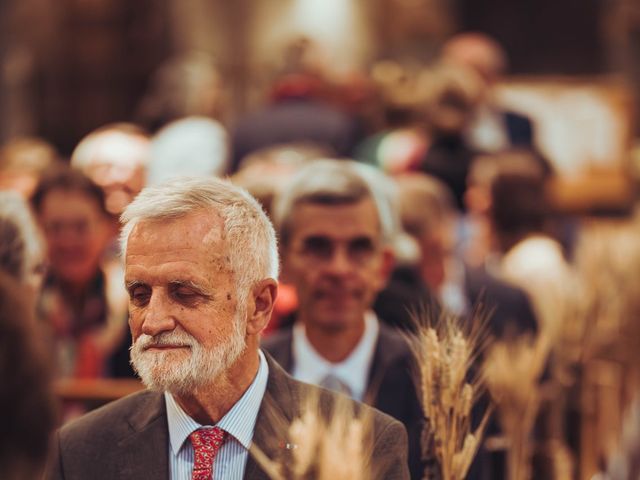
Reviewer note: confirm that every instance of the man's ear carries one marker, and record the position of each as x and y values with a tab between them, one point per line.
264	295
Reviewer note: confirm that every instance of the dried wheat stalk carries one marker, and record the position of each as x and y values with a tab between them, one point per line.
445	354
334	447
511	371
608	261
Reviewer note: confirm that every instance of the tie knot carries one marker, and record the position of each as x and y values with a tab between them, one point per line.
332	382
206	443
207	438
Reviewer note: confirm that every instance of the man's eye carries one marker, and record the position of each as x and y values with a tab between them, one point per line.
185	295
318	247
361	249
139	295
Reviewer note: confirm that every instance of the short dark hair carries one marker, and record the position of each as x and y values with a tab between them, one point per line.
68	180
518	206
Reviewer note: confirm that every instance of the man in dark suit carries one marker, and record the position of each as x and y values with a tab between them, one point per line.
335	227
440	277
493	128
200	267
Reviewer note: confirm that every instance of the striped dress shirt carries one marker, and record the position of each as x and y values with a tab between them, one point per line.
239	423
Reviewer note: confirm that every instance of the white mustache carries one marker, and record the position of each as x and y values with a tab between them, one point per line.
175	338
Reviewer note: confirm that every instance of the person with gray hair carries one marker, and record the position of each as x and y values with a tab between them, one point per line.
21	244
336	227
115	157
201	267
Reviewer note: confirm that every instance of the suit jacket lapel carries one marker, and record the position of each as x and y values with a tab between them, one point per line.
276	413
382	357
144	450
282	351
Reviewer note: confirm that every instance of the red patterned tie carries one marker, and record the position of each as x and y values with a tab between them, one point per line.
206	443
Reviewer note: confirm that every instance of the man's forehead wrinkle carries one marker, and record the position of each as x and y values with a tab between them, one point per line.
206	218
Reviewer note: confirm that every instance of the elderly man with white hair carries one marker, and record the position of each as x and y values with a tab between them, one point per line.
201	265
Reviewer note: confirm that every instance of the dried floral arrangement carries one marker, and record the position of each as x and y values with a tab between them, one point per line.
337	446
445	351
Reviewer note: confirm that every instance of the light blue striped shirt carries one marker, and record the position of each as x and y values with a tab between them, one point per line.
239	423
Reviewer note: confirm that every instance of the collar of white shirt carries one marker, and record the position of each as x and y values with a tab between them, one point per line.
353	371
239	422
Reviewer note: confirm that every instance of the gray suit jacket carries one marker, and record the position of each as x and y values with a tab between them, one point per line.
129	438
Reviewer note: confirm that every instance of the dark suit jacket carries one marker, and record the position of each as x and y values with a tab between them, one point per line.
519	129
507	306
129	438
391	387
511	313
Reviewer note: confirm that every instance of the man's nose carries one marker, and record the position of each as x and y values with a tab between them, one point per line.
158	316
339	263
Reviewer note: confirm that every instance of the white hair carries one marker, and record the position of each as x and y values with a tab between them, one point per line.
117	141
193	146
248	233
330	181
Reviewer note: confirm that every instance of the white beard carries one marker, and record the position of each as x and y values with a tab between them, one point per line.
160	372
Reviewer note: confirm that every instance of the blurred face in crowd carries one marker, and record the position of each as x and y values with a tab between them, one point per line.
118	166
186	322
336	260
76	231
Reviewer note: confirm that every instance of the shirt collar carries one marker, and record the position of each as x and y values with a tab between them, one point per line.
239	422
311	367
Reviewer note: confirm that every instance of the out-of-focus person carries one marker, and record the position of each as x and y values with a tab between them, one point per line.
402	141
479	237
83	301
492	128
22	251
191	146
300	108
22	162
115	157
335	230
26	397
429	215
264	174
524	250
451	95
201	271
186	85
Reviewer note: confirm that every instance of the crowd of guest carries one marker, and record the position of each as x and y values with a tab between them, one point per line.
412	189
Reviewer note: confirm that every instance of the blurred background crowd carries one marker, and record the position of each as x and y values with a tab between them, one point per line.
503	135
